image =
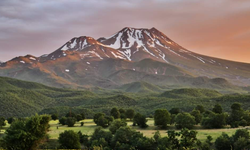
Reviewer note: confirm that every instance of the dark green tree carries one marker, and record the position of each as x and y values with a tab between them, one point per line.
115	113
217	109
70	121
97	116
100	138
2	122
84	139
130	113
175	111
70	114
197	115
200	108
83	116
241	133
69	140
184	120
236	115
122	111
102	121
241	144
11	119
78	117
116	124
223	142
54	116
213	120
162	118
27	134
62	120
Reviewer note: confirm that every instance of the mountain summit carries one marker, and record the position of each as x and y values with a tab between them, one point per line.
130	55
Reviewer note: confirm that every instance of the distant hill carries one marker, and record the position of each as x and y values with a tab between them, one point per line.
191	93
21	98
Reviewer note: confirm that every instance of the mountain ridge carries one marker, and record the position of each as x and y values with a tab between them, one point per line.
144	54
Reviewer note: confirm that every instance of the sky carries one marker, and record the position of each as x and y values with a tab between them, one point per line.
219	28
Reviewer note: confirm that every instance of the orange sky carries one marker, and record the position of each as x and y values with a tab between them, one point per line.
218	28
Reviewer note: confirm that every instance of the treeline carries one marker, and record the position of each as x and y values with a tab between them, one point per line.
126	138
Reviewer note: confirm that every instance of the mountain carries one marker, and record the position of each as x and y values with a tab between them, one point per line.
128	56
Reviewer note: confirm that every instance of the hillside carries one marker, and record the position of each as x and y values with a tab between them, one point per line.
21	98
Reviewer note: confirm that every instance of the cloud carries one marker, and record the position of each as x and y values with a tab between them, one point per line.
36	27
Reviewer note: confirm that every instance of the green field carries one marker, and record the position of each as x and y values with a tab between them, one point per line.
89	127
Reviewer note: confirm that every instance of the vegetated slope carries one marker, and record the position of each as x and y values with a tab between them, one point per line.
191	93
140	87
21	98
130	55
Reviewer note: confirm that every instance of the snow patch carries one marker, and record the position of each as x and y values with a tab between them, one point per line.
116	56
22	62
127	53
32	58
64	48
117	43
159	43
73	45
66	70
88	63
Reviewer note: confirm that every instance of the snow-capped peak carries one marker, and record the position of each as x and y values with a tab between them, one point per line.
78	43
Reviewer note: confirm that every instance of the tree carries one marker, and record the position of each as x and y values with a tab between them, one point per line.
78	117
186	139
84	139
11	119
140	120
122	111
241	133
197	116
100	138
115	113
241	143
223	142
69	140
102	121
162	118
200	108
54	116
217	109
62	121
236	115
115	125
70	121
184	120
83	116
97	116
70	114
175	111
213	120
2	122
126	138
130	113
27	134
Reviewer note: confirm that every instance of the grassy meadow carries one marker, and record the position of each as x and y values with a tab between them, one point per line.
89	127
